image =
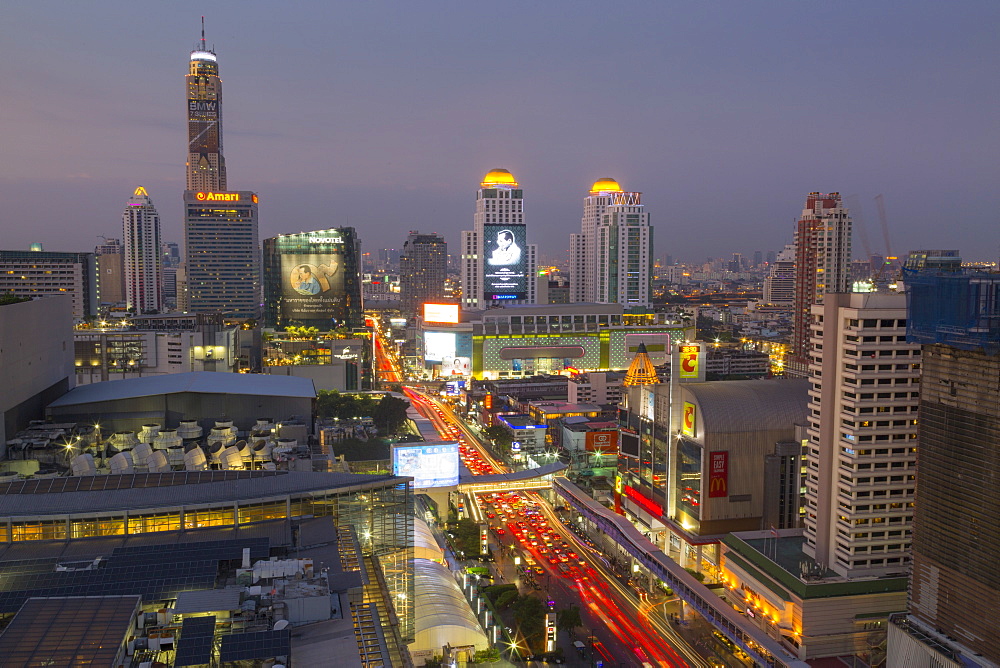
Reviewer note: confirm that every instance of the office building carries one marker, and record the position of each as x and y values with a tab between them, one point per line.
47	273
313	279
954	582
223	253
498	265
779	284
423	269
206	166
143	259
862	449
822	264
111	271
611	258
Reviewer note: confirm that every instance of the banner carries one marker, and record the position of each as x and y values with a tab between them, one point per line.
718	474
688	419
690	358
505	250
312	286
602	441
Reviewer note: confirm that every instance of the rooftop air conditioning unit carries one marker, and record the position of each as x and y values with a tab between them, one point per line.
121	463
83	464
158	463
195	460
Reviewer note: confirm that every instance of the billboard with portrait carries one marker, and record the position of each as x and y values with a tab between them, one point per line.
312	285
429	465
456	366
506	262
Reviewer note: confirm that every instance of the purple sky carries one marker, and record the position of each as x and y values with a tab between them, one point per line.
385	115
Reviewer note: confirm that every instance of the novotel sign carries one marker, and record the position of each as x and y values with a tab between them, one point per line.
326	240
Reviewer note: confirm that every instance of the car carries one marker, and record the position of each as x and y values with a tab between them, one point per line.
501	531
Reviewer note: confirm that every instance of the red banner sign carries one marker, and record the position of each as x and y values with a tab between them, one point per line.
718	474
602	441
648	505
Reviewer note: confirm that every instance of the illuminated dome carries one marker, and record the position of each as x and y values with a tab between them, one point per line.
605	185
498	177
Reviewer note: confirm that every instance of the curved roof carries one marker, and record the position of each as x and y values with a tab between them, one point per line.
441	613
498	177
205	382
730	406
424	544
605	185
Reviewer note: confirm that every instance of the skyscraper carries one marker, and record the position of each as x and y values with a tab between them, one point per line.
222	250
206	166
498	265
423	268
143	260
779	284
954	582
822	264
111	271
862	449
223	253
611	258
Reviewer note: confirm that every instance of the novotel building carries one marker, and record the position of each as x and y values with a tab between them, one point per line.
313	279
223	252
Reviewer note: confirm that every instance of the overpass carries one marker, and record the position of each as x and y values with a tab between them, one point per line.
539	478
765	650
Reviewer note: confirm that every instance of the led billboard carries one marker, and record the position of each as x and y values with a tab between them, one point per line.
429	465
438	346
312	285
456	366
505	273
441	313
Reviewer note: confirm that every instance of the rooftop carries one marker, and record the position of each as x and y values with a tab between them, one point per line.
733	406
205	382
122	492
68	631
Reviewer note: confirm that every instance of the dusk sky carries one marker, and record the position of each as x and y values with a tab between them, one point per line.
385	116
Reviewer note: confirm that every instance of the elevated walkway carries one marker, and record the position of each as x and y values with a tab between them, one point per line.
764	650
539	478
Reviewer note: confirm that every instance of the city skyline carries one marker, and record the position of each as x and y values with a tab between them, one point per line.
756	103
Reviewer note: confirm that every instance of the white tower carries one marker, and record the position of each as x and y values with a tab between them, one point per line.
498	265
862	449
143	261
611	257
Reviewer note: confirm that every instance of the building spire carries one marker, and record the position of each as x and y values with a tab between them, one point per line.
641	371
203	34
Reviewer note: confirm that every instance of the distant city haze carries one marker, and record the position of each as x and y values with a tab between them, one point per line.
384	116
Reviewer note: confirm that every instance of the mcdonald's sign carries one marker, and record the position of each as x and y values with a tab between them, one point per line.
688	419
690	358
718	474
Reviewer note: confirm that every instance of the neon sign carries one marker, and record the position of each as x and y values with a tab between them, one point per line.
218	197
651	507
326	240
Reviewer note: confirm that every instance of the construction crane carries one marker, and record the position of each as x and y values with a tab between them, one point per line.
889	257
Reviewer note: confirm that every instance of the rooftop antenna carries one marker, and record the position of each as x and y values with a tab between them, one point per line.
202	33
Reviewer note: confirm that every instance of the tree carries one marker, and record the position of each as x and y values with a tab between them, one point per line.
568	619
390	414
488	655
529	616
499	435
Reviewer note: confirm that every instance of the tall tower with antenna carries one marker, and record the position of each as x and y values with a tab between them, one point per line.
206	166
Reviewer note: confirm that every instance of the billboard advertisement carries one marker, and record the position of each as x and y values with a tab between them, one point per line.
688	419
438	346
629	444
441	313
602	441
312	285
429	465
690	358
456	366
718	474
505	273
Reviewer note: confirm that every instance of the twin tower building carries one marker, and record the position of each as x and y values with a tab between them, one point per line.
314	278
